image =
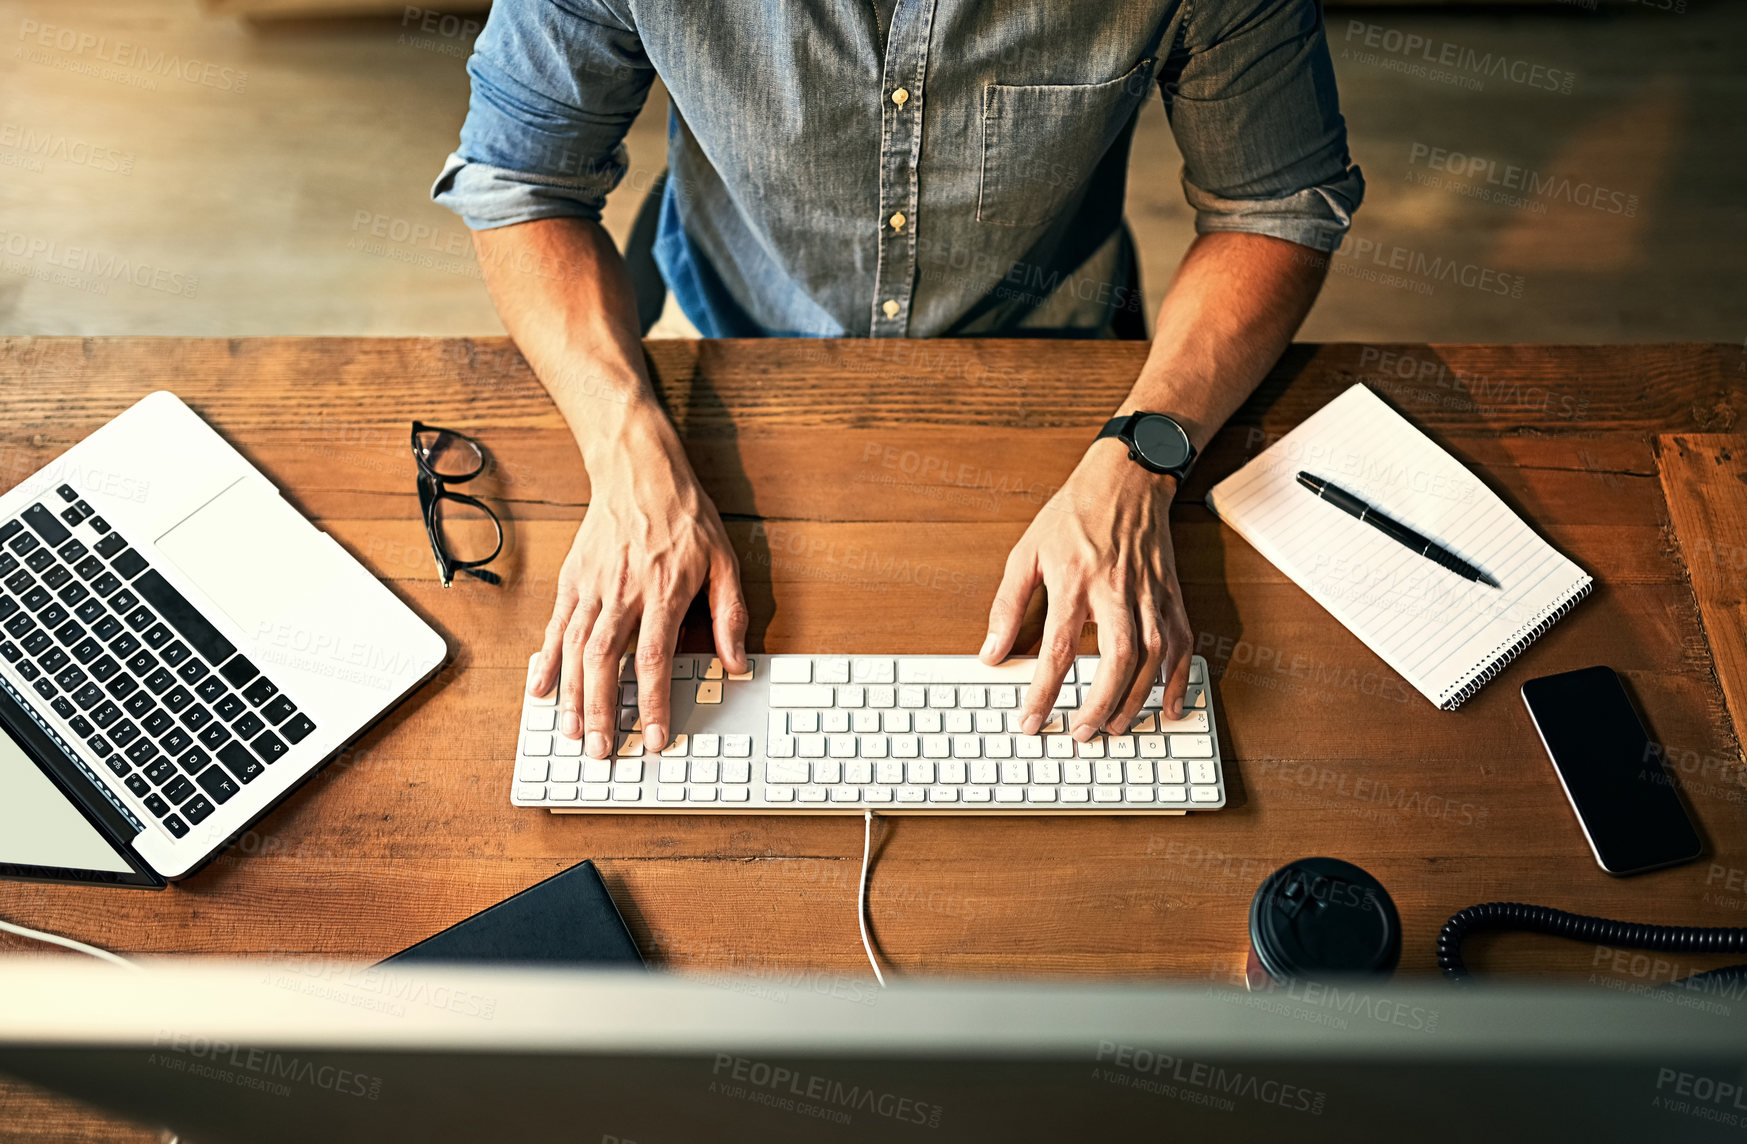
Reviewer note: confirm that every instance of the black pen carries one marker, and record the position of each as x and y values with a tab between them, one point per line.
1395	530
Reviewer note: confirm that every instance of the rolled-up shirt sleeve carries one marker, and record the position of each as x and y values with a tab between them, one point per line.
556	85
1252	102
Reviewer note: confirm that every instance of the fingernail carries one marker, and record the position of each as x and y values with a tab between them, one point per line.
654	736
989	646
1031	723
1084	732
534	675
1117	726
597	745
1177	709
570	725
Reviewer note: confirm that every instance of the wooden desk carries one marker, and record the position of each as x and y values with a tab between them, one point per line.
873	490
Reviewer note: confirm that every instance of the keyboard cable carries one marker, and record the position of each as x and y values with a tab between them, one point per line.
66	942
861	896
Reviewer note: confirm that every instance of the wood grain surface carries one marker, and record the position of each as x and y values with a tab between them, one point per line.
872	491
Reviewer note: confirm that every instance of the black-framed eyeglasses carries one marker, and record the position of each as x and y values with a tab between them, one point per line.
455	522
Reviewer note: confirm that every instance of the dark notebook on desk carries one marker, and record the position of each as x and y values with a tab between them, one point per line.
569	919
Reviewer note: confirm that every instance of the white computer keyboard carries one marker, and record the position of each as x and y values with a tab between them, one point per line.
930	734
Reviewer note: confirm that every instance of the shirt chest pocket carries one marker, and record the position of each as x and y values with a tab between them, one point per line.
1041	142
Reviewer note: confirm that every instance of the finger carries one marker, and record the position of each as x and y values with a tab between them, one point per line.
1117	660
1152	652
1061	642
1019	582
1178	640
576	633
654	661
600	683
543	672
729	617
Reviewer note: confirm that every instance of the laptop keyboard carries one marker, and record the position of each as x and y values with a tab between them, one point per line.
152	690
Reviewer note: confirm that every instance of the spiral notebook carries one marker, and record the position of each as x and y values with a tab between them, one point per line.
1447	636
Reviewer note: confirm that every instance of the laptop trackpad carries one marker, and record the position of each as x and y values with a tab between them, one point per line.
253	555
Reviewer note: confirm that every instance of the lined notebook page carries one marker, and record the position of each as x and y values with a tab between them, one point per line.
1447	636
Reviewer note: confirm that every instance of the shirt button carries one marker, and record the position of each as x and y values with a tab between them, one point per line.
898	221
891	308
900	96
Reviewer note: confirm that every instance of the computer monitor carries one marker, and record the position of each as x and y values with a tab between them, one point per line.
296	1050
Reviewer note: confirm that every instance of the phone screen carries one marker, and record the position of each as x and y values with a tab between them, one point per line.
1624	796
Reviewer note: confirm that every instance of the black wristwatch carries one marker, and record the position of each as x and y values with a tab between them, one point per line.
1155	442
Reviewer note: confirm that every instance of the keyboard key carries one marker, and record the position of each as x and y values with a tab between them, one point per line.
101	668
280	707
1191	746
791	669
141	618
105	712
44	524
89	696
123	733
229	706
240	763
70	633
22	543
157	636
81	726
186	619
122	686
214	736
88	567
10	651
99	525
160	771
137	785
124	601
177	741
239	671
178	656
105	584
196	717
177	697
87	650
129	564
250	725
217	783
272	748
71	678
142	752
197	809
65	492
53	659
260	691
176	826
212	688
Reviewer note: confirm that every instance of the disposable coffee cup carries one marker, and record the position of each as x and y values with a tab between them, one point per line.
1321	919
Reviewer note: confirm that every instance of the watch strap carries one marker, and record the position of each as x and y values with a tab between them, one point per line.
1114	426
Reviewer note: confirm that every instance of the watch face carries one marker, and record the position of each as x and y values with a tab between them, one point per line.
1160	441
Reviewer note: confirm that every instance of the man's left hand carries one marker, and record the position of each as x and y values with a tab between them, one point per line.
1101	550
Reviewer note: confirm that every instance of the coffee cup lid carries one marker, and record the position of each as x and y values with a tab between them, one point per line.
1324	918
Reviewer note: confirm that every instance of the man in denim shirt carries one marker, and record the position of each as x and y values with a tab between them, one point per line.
891	169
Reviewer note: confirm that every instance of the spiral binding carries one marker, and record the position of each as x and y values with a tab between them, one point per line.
1503	659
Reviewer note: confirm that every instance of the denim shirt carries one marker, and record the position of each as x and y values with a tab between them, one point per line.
962	175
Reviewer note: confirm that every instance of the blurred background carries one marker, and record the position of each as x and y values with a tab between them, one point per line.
1585	185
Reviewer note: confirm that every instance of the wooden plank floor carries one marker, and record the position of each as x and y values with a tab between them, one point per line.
872	491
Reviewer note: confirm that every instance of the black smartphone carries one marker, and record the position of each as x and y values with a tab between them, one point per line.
1615	778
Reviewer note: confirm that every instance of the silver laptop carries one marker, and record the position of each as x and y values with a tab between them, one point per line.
179	649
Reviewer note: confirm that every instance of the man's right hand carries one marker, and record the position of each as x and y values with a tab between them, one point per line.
648	542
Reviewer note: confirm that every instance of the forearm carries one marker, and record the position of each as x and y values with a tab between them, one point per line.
564	295
1230	312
